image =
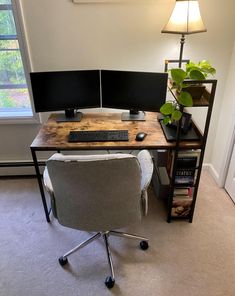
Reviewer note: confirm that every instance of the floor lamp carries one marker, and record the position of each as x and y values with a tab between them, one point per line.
185	19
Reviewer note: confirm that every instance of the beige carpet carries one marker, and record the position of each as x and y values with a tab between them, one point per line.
184	259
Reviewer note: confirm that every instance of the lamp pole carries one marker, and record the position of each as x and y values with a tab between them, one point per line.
182	41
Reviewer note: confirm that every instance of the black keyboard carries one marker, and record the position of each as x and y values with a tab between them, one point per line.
98	136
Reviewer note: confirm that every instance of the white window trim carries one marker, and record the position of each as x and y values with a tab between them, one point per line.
21	37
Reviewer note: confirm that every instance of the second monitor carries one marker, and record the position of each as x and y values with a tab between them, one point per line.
134	91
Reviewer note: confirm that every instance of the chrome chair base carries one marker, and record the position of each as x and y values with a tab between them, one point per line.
110	281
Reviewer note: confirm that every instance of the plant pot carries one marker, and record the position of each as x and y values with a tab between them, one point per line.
196	91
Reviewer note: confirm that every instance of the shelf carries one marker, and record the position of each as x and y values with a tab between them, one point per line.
176	185
180	217
182	143
202	102
195	140
193	134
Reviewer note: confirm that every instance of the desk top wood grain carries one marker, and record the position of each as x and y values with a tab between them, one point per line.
54	135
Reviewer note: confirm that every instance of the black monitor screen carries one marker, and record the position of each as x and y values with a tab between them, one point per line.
54	91
144	91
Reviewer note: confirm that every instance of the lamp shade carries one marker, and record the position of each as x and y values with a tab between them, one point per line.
185	18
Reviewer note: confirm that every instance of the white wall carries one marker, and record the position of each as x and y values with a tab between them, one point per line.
121	36
62	35
226	126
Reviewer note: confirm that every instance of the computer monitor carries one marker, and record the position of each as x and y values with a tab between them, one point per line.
66	90
134	91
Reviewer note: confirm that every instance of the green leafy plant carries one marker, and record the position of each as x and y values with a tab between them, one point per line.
172	110
200	70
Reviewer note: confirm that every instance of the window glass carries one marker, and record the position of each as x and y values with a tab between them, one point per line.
5	1
14	95
11	66
7	25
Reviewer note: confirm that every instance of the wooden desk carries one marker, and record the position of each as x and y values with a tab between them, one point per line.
54	136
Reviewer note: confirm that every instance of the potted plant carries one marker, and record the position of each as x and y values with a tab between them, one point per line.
198	71
172	110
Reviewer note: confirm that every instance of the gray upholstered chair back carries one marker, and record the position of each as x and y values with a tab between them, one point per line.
96	194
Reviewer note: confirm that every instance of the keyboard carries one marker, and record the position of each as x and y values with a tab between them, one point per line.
98	136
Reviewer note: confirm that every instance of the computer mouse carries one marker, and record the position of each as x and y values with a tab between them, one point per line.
140	136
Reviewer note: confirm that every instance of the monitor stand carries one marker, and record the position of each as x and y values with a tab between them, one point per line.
133	115
70	115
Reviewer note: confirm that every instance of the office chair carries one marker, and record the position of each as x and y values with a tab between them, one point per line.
99	193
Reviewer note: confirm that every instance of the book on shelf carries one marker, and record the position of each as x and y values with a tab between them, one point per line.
185	177
181	192
182	202
186	165
181	207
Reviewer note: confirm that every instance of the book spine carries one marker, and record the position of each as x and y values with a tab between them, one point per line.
183	191
185	176
186	165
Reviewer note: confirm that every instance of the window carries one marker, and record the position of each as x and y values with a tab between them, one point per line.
14	94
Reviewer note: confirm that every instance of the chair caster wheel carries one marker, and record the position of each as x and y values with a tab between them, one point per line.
63	261
144	245
109	282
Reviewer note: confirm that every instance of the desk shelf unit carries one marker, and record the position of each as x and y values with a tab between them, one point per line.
53	136
181	198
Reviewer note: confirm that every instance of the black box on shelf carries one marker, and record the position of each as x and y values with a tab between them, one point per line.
161	182
160	157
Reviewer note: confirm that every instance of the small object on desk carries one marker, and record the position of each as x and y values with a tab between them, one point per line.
98	136
140	136
186	123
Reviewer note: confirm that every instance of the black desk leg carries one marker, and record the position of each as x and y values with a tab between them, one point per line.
40	184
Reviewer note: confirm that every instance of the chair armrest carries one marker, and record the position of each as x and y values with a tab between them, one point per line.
49	188
146	165
47	181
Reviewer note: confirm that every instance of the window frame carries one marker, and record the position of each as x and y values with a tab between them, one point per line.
15	116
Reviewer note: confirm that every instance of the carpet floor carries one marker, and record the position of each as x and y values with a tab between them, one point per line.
183	259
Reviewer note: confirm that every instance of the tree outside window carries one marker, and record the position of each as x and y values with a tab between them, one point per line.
14	95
